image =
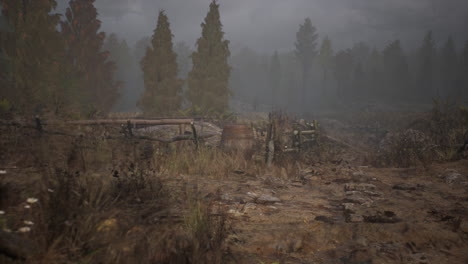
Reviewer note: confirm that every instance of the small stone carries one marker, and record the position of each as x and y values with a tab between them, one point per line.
252	195
351	207
295	245
234	212
405	187
267	199
354	218
451	176
359	187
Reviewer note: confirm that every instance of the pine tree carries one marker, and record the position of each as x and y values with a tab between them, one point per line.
448	68
84	44
426	64
374	73
343	67
163	89
396	71
326	60
209	79
358	81
275	76
306	43
31	49
463	73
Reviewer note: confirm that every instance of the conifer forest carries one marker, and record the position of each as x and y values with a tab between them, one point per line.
247	131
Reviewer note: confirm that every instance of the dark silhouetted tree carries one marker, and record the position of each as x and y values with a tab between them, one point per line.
396	72
31	51
163	89
326	60
358	81
463	73
426	65
209	79
448	68
306	43
374	74
343	69
80	30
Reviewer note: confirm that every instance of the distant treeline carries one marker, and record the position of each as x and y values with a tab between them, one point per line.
67	66
362	74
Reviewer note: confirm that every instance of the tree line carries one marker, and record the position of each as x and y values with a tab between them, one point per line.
314	76
69	66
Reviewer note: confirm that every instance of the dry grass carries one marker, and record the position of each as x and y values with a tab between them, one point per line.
105	201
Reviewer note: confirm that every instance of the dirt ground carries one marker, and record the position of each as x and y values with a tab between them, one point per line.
347	214
339	210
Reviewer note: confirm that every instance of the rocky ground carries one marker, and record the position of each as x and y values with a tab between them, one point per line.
337	208
345	214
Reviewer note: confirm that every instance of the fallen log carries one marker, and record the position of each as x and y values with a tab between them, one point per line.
173	139
144	122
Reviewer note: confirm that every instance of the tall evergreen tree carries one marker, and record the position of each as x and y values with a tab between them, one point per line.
374	73
396	72
326	59
275	78
463	73
84	43
31	49
448	68
208	81
343	68
426	64
359	81
162	87
306	44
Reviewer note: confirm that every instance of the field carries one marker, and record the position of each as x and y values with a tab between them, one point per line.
378	187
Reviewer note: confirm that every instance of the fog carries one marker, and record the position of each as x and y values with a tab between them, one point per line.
382	52
268	25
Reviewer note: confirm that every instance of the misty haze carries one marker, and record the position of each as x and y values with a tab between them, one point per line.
246	131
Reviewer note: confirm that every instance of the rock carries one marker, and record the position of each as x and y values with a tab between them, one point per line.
406	187
350	207
267	199
295	245
324	219
235	213
451	176
387	217
354	218
249	206
356	198
359	187
252	195
464	226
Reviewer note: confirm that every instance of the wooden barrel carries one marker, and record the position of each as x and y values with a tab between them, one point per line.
238	139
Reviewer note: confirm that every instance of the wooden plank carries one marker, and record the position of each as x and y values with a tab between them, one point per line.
125	122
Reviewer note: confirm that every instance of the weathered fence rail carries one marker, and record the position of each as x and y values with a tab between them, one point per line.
127	124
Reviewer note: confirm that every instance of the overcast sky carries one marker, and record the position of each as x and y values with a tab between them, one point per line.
268	25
